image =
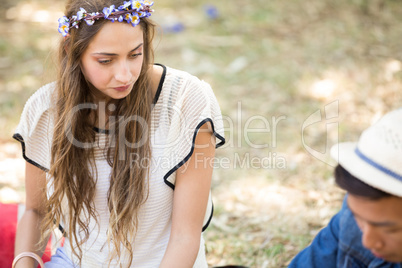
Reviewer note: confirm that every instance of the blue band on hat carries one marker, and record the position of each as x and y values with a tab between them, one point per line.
378	166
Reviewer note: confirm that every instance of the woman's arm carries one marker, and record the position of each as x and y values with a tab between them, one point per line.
28	231
193	182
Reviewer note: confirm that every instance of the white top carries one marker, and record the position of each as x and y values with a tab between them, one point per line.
183	104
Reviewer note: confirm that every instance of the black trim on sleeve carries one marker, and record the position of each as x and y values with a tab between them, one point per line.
209	220
222	142
19	138
170	172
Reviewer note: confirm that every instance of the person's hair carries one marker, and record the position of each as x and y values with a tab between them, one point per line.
73	170
356	187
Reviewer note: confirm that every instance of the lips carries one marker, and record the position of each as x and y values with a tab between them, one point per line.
377	255
122	88
386	256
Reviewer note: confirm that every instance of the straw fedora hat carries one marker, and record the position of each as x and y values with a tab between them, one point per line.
376	158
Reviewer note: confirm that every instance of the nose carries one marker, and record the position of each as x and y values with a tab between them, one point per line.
123	73
371	239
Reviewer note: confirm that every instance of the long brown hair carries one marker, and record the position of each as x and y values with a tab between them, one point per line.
73	169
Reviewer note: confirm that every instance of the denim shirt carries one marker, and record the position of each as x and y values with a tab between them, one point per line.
339	245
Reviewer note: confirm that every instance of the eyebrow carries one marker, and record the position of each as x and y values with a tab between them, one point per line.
114	54
377	224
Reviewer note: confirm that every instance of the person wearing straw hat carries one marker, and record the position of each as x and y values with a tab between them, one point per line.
367	231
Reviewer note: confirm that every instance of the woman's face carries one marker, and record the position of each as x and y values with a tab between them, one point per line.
113	60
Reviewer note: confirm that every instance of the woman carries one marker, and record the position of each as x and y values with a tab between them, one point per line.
118	150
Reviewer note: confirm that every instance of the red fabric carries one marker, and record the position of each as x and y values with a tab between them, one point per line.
8	228
48	251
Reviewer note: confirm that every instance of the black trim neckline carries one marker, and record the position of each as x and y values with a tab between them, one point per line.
100	130
159	90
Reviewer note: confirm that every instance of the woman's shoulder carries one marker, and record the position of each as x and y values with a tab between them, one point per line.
177	74
41	99
33	130
36	108
182	83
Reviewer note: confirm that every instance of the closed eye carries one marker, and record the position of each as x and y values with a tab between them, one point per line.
104	62
392	230
135	55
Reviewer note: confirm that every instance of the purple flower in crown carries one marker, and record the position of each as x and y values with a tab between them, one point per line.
81	14
90	21
141	14
135	19
108	11
74	22
128	17
126	5
148	3
139	8
136	5
64	24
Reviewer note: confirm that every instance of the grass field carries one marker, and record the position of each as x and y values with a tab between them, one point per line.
292	79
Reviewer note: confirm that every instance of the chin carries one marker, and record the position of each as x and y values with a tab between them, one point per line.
120	96
393	259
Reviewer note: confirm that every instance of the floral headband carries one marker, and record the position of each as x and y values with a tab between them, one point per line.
130	11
